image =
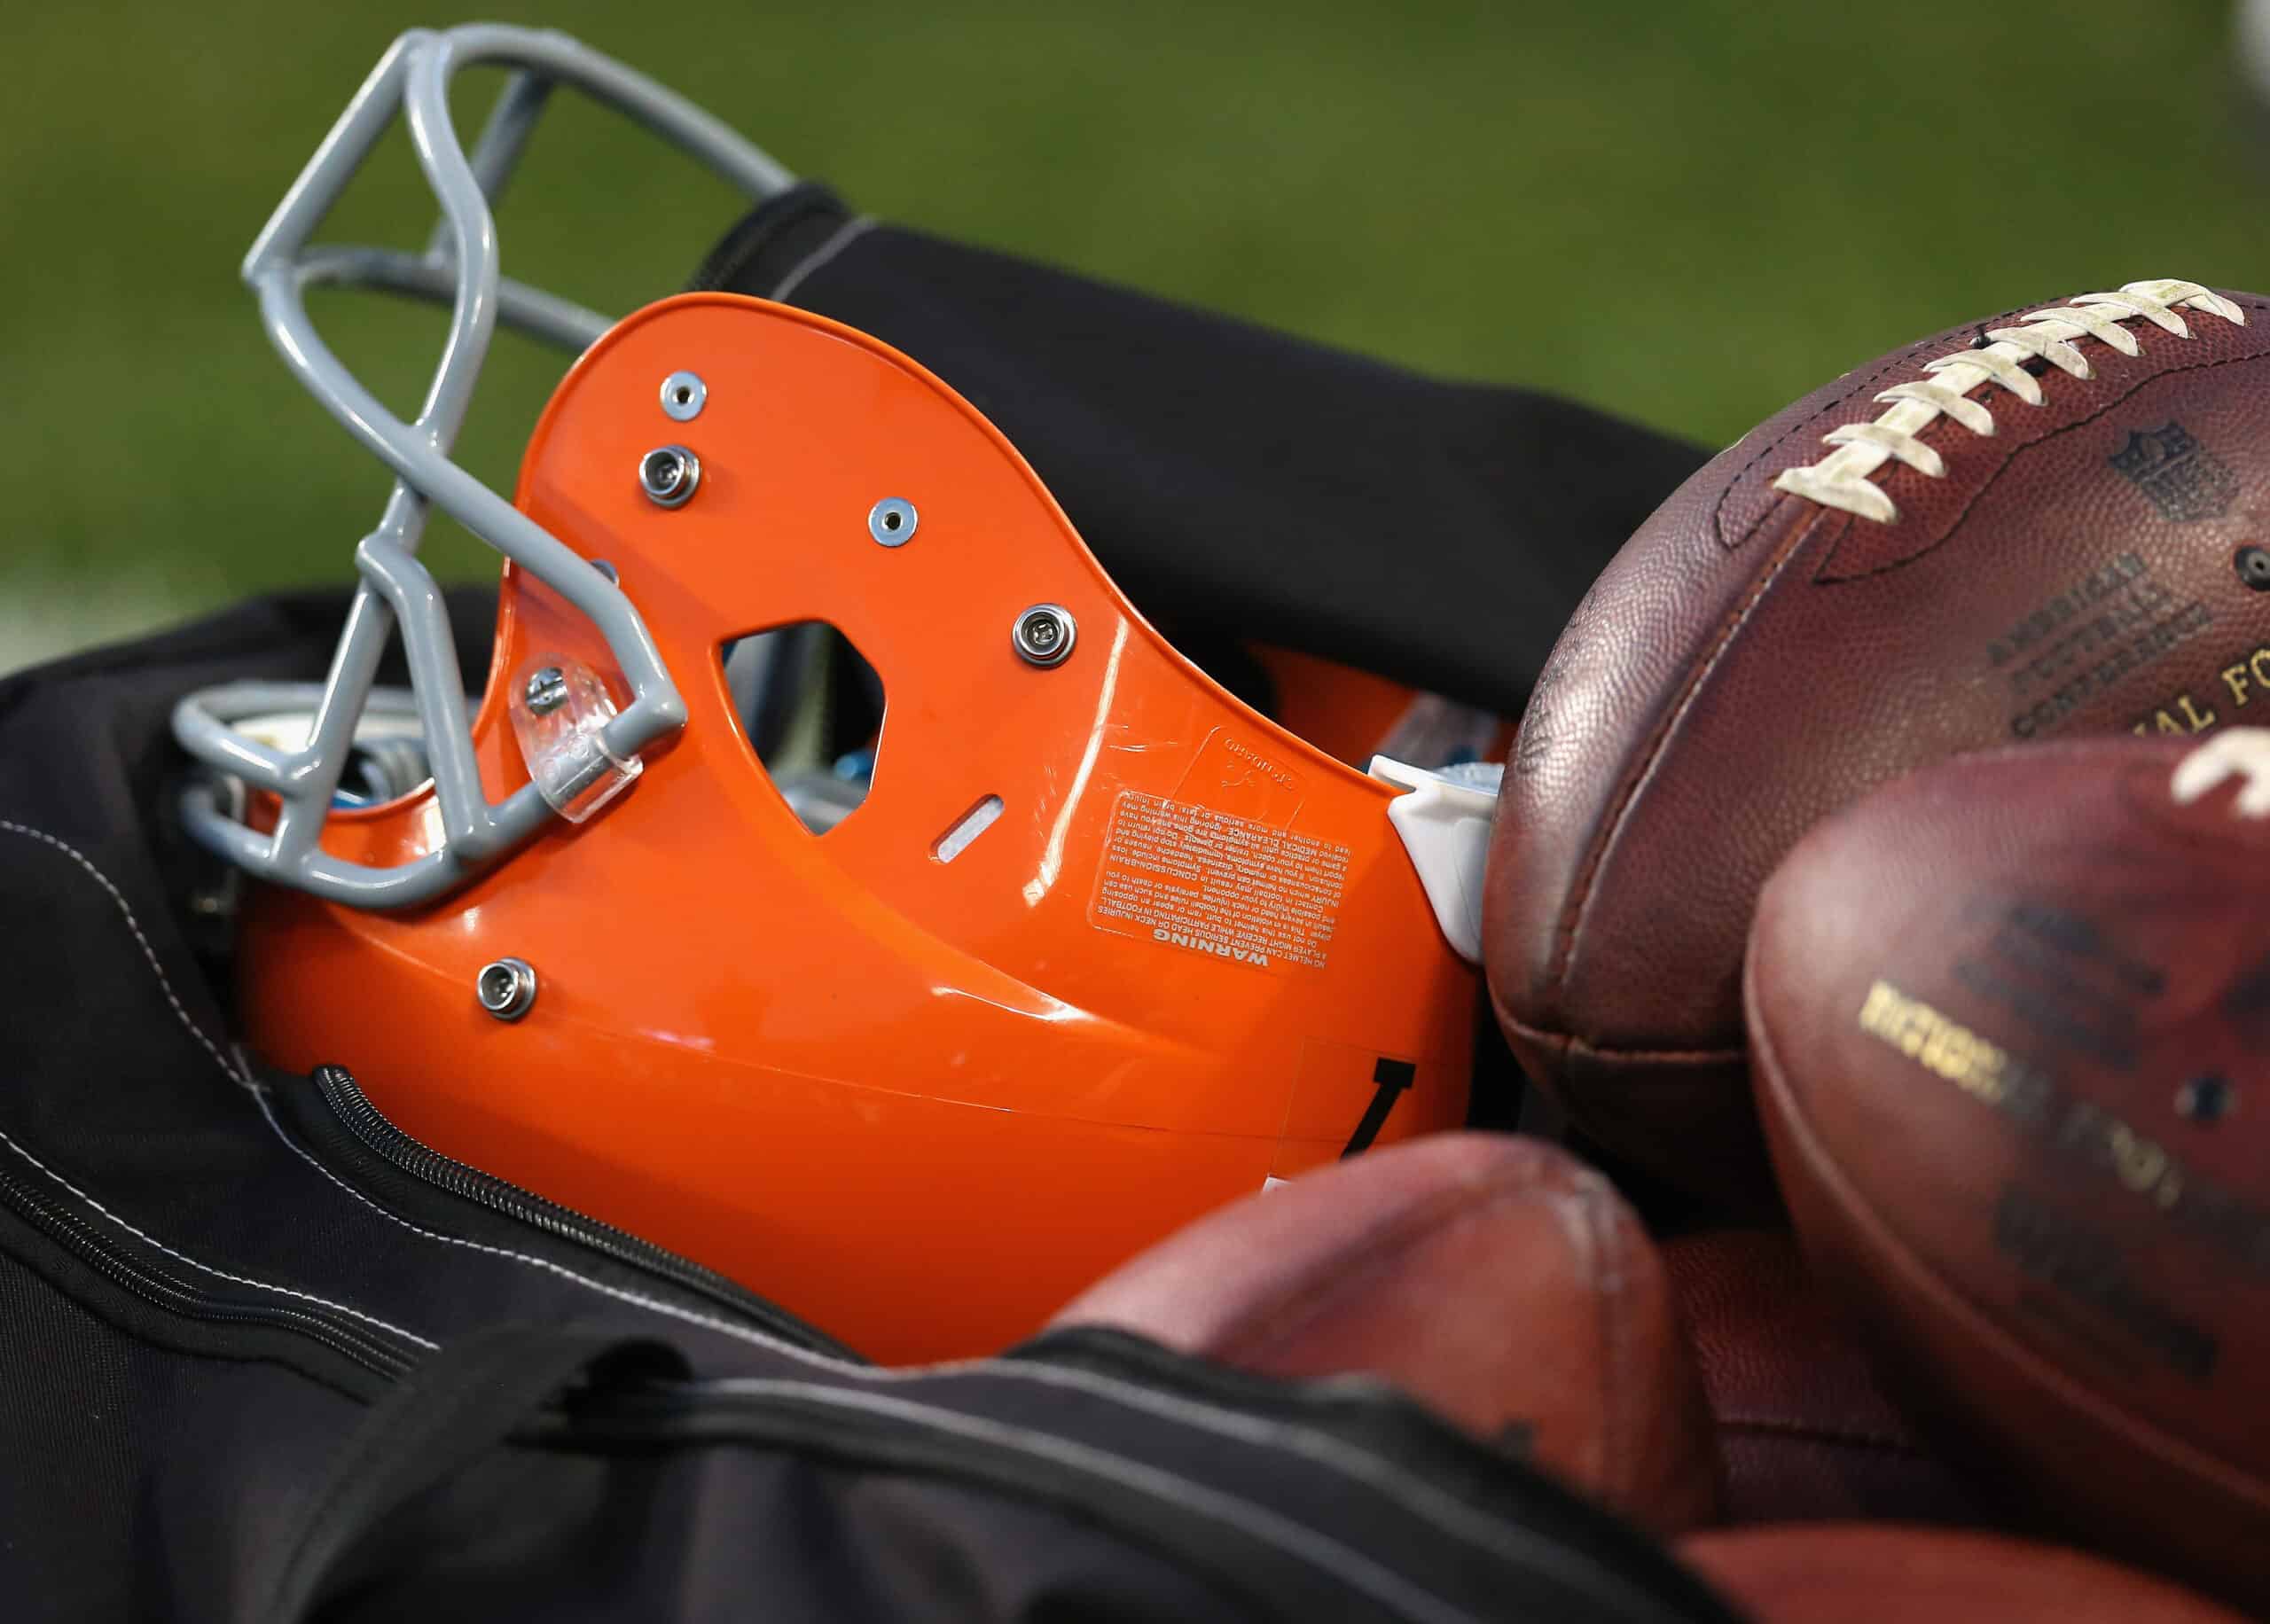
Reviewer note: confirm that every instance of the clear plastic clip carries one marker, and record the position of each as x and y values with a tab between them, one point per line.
560	709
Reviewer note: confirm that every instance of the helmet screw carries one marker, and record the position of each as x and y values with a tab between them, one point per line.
1043	634
669	475
684	394
506	987
546	689
892	521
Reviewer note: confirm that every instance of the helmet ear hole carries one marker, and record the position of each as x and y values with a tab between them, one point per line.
811	708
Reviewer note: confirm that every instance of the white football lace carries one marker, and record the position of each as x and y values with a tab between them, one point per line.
2242	753
1841	479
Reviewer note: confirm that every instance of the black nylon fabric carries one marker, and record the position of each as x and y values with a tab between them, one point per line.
1240	485
242	1378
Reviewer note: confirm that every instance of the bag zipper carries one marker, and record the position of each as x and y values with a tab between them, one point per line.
162	1289
371	1129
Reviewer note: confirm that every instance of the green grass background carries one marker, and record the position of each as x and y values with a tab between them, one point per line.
1685	213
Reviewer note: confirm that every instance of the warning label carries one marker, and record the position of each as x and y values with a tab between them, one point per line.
1212	882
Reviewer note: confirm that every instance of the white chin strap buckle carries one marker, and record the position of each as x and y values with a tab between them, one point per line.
1444	822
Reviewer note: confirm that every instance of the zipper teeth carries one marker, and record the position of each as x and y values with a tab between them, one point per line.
375	1133
161	1289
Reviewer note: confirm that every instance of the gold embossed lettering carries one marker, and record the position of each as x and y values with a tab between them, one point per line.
1942	1047
2088	1136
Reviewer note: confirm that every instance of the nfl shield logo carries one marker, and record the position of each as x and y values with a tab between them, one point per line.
2185	480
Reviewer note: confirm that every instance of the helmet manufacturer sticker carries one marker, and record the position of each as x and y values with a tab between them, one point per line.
1232	773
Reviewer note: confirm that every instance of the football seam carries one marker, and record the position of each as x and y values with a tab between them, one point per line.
1266	1326
1982	1329
1569	1041
1810	1431
1983	329
1659	738
1823	579
1904	357
1605	1238
1572	920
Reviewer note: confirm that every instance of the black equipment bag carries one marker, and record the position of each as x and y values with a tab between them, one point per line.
1240	485
264	1357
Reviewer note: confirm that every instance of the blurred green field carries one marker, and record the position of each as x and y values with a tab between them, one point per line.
1685	213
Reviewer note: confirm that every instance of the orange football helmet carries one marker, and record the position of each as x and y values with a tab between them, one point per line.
1098	948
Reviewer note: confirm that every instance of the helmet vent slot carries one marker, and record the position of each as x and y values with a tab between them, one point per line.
966	829
812	709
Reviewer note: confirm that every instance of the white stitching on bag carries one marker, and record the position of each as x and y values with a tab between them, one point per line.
841	238
218	1273
243	1078
86	863
1445	1511
744	1332
134	924
1352	1567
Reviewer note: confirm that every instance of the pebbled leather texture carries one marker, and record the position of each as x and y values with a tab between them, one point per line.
1804	1432
1892	1575
1495	1278
1976	1000
1752	661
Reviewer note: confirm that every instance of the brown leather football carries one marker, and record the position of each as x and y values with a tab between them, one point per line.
2010	1018
1806	1433
2028	528
1496	1279
1887	1575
